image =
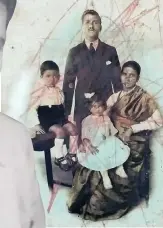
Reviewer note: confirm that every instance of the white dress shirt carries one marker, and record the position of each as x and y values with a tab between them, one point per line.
43	96
95	43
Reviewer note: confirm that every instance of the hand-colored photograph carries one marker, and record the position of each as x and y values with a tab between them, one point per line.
81	113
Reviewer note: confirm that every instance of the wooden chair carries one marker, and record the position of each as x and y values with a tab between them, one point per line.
56	177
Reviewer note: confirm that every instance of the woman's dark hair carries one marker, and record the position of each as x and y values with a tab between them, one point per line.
134	65
48	65
92	12
96	99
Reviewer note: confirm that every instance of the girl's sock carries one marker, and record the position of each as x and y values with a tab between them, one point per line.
121	172
106	180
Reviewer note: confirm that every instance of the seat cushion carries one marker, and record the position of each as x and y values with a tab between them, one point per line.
43	142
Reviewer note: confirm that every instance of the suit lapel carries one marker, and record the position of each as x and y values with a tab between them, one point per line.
84	54
95	63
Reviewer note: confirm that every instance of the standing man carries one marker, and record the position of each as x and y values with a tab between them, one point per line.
94	64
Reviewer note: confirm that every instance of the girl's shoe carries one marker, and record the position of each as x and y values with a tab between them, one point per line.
72	159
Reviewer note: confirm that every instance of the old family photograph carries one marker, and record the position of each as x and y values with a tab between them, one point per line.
81	121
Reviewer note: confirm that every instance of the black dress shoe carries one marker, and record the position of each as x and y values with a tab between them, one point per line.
58	162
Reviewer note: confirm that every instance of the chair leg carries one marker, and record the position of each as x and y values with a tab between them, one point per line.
49	170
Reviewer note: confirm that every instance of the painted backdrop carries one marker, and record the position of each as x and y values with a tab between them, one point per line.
44	30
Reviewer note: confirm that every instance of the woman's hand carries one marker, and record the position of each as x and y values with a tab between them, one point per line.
126	135
89	147
39	129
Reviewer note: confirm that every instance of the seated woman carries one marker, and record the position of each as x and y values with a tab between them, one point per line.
135	114
47	104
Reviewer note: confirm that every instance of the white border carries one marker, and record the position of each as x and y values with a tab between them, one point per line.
0	91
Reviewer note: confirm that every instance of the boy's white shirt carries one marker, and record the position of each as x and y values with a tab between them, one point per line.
32	116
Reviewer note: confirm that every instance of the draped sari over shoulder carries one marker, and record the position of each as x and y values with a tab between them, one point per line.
132	108
88	195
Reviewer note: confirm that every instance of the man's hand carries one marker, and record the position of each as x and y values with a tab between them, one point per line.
71	119
126	135
88	95
89	147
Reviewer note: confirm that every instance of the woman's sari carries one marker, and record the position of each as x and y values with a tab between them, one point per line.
88	195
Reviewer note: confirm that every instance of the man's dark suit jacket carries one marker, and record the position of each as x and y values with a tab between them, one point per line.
94	74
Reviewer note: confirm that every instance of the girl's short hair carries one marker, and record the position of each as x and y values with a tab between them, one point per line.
48	65
96	98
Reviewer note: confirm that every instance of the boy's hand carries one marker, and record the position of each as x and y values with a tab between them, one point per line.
39	129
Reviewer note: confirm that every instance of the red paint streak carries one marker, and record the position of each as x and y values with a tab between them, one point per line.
54	192
125	15
142	14
128	11
50	33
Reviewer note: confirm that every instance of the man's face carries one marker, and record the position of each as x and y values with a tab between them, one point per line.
91	27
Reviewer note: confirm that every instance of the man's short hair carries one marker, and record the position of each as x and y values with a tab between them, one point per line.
92	12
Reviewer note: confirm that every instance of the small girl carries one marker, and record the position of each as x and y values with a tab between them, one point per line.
47	103
97	139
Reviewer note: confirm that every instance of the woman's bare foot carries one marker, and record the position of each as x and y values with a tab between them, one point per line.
120	172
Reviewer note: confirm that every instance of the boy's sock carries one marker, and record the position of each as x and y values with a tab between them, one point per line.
57	151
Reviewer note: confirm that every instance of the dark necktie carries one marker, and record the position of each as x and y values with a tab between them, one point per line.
91	49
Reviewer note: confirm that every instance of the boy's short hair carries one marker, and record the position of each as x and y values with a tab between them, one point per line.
48	65
92	12
96	98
